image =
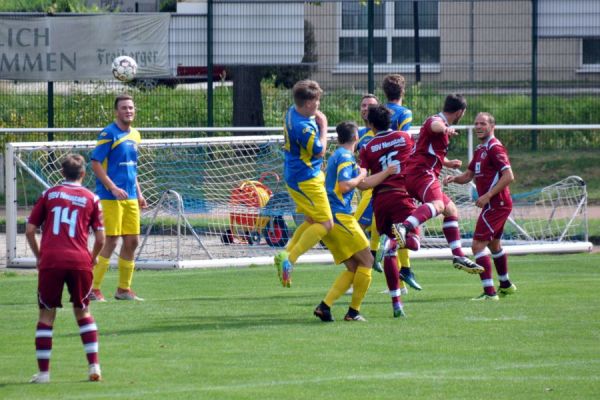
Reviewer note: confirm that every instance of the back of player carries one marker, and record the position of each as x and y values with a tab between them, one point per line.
430	149
67	212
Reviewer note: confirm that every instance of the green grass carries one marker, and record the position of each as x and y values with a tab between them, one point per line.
234	334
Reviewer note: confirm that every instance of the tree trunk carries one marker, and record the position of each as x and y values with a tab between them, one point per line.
247	99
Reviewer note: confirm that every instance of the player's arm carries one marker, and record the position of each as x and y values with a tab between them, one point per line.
438	126
346	186
140	196
373	180
107	182
506	179
30	231
99	239
321	121
453	164
461	179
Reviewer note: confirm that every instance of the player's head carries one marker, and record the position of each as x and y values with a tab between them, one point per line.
124	109
393	87
307	95
366	101
379	117
73	167
455	106
485	123
347	132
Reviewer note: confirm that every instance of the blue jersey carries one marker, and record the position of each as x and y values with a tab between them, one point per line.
401	117
116	150
341	167
364	136
302	144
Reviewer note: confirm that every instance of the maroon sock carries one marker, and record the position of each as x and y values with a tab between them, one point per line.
43	346
89	337
486	277
390	268
452	234
421	214
501	263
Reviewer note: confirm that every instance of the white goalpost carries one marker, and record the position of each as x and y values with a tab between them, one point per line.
220	201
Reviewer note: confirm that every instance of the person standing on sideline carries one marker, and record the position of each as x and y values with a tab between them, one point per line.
305	133
67	212
393	86
347	241
391	202
422	180
491	170
114	161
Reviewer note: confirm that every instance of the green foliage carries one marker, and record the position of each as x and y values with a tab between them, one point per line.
233	333
49	6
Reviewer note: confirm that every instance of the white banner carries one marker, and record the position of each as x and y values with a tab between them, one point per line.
82	47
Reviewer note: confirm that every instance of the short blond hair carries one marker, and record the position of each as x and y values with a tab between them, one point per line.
306	90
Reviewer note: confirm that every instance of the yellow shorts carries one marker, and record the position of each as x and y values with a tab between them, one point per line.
312	200
346	238
121	217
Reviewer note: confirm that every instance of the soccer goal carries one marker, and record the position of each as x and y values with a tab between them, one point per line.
221	201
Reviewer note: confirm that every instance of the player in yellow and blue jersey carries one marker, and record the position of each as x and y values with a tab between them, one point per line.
305	144
347	241
114	161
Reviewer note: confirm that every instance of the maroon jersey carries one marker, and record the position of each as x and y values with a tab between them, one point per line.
387	148
489	160
430	150
67	211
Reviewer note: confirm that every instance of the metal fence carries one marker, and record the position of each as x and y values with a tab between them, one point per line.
525	61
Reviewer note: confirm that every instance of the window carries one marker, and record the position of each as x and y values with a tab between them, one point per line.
590	52
394	42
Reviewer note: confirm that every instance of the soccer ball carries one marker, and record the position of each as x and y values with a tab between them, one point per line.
124	68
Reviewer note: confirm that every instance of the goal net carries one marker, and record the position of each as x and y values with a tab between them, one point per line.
221	202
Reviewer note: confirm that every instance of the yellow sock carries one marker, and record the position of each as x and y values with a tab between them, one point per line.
403	259
339	287
374	236
361	283
125	273
296	236
311	236
99	271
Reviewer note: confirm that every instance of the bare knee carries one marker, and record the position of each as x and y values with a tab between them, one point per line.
450	209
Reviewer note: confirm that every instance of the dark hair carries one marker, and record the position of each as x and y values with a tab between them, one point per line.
346	131
122	97
306	90
73	166
393	86
369	96
380	117
454	102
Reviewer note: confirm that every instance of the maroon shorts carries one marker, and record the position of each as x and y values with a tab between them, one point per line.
52	280
390	208
490	223
425	187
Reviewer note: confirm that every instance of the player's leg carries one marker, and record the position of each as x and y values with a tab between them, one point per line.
501	262
130	232
363	260
79	283
112	228
50	284
482	258
335	242
451	231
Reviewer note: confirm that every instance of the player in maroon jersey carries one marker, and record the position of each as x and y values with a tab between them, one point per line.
491	170
422	180
391	202
67	212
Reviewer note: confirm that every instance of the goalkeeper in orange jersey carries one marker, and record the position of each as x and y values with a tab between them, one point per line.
305	144
347	241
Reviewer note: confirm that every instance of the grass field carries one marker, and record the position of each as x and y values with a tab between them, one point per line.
235	334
